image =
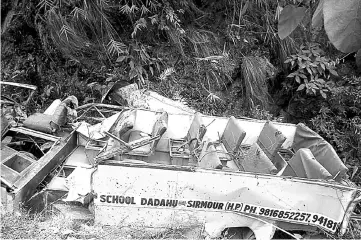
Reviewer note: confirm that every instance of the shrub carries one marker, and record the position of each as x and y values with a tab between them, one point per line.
310	72
339	120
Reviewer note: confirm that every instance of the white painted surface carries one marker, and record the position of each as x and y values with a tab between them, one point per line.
259	191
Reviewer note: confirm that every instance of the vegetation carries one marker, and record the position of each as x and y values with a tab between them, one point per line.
56	226
262	59
279	60
339	121
310	72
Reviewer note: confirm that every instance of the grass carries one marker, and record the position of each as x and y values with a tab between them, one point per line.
255	71
55	226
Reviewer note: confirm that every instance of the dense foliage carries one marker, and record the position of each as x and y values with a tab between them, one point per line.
254	58
310	71
339	119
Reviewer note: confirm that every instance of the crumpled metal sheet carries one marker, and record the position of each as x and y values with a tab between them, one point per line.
96	131
156	197
142	98
321	149
79	184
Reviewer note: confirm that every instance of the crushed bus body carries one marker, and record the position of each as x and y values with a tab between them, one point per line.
158	170
161	169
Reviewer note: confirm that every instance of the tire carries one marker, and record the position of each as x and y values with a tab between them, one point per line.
238	233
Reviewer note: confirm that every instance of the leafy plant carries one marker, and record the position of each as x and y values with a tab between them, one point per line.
339	119
255	72
290	17
341	20
342	24
261	114
310	71
138	63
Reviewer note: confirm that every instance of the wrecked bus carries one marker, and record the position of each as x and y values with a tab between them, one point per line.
159	170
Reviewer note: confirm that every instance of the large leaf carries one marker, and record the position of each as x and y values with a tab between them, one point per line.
358	59
317	18
290	17
343	24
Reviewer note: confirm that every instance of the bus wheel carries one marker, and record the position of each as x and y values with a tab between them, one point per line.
238	233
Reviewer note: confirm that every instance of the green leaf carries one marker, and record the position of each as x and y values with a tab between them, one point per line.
131	64
92	84
245	7
301	87
291	75
298	79
88	99
109	79
343	24
358	59
333	72
290	17
132	73
314	70
121	58
313	86
317	18
320	70
302	76
323	94
158	66
320	80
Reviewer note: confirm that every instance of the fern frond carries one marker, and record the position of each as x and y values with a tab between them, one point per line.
66	31
141	23
166	73
46	4
154	5
176	38
203	42
255	74
154	19
134	8
128	10
103	3
76	12
144	10
125	9
115	47
212	97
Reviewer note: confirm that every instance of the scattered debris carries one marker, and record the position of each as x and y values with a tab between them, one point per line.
12	109
56	116
146	99
164	165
